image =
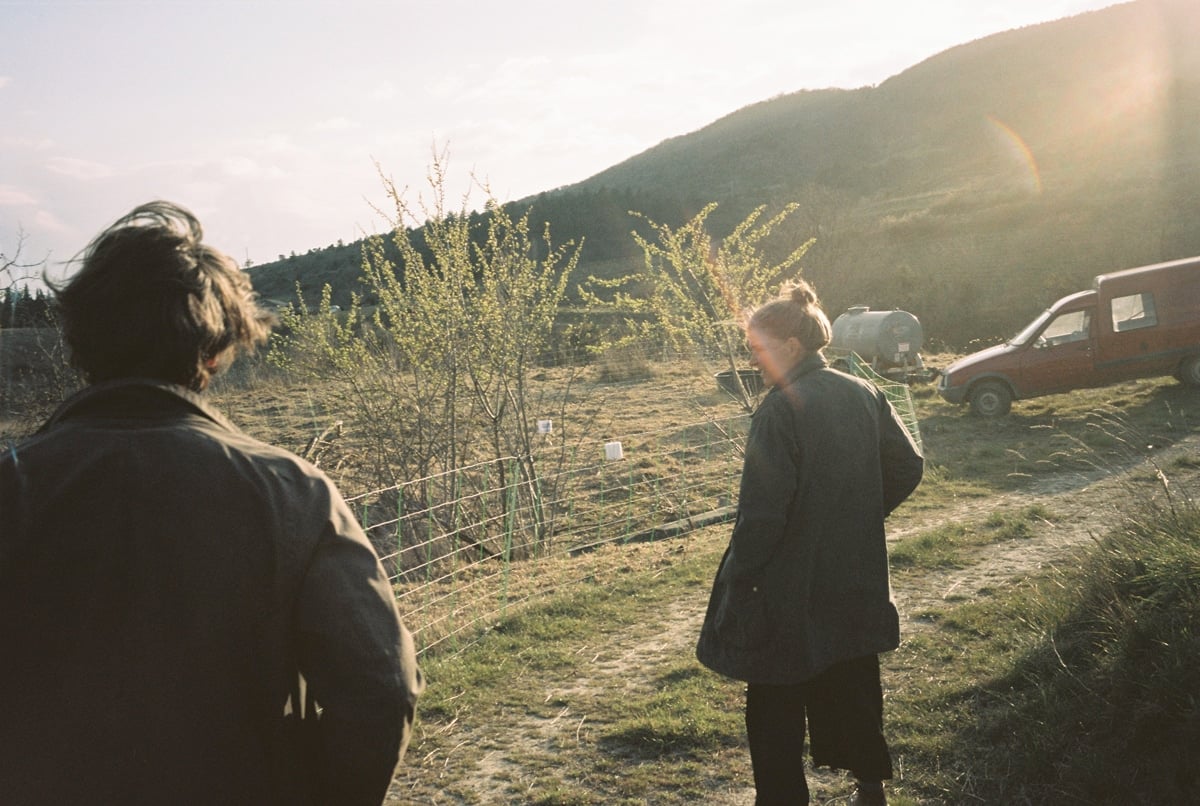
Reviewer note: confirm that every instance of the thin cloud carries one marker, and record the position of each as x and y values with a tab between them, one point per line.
338	124
247	168
46	221
79	168
386	91
277	145
15	197
30	143
240	167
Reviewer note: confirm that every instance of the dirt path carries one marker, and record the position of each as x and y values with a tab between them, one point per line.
1079	507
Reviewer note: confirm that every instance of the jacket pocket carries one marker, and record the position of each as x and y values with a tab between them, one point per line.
741	618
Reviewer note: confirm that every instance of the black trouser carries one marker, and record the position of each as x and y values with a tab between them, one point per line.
843	708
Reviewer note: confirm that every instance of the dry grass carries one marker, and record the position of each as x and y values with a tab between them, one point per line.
585	691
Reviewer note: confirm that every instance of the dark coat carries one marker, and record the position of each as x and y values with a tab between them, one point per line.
163	580
804	583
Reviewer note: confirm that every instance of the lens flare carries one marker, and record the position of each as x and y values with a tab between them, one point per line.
1021	152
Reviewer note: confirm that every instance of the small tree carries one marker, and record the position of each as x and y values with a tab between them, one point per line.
438	372
511	308
693	291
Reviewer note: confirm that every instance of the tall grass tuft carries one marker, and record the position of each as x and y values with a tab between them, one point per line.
1103	707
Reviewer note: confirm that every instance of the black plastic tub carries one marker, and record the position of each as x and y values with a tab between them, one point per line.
751	379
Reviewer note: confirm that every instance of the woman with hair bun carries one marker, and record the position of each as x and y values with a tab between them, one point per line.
801	606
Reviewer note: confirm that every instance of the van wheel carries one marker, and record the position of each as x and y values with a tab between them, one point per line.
1189	371
991	399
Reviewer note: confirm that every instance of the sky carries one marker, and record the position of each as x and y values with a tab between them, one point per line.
273	120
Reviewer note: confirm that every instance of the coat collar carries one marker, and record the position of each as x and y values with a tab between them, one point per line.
810	362
134	397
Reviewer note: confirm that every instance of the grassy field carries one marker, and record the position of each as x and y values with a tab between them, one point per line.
593	696
1029	673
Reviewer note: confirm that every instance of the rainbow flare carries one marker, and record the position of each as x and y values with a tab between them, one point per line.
1021	150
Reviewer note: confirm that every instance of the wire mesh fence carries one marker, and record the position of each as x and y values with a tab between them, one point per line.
462	548
897	393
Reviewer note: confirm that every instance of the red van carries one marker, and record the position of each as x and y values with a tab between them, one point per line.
1137	323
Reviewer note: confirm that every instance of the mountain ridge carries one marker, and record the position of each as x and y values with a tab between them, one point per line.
972	188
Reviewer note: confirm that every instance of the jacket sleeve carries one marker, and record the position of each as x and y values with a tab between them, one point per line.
769	483
901	462
359	662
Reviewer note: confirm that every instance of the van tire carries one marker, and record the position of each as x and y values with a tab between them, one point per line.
1189	371
991	399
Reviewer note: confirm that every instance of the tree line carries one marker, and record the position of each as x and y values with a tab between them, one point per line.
20	307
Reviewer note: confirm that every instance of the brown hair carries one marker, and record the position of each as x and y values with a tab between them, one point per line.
152	300
796	313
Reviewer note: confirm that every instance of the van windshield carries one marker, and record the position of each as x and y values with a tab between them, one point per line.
1028	332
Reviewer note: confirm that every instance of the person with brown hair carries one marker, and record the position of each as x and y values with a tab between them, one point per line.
187	615
801	605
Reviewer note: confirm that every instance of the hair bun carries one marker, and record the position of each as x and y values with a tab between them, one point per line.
803	294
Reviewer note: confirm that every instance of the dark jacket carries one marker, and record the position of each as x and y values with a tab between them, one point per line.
163	580
804	583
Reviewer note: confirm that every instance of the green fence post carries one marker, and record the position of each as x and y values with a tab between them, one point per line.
683	471
487	487
600	506
509	521
430	525
399	530
455	542
658	482
629	505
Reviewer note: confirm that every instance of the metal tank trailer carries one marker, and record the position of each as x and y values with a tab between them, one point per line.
889	342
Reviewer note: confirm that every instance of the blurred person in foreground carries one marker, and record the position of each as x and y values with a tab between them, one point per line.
801	606
187	615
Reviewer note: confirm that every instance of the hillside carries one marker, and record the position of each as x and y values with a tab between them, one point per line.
971	189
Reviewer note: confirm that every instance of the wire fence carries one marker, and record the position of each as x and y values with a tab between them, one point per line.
466	547
898	394
462	548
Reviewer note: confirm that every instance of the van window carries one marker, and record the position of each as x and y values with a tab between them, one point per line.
1133	312
1066	328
